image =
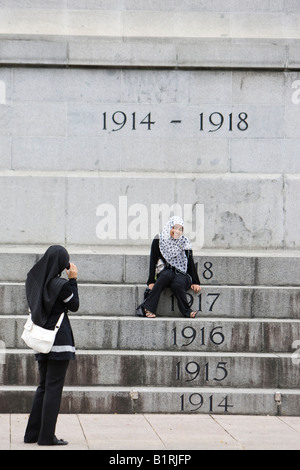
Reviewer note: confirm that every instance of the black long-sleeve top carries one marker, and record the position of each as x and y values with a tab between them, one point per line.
64	345
155	255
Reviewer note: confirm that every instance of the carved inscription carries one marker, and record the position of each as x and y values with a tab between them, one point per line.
199	371
213	122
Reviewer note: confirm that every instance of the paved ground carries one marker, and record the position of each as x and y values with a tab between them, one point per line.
160	432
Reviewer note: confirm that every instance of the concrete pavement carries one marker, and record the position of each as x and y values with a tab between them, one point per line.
160	432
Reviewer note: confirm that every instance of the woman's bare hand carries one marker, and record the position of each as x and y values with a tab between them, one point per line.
72	272
195	287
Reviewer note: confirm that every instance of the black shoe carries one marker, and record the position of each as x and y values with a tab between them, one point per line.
28	441
55	442
59	442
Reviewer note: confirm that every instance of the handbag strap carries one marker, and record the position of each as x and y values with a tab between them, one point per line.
60	321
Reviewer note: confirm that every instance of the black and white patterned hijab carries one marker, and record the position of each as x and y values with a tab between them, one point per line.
172	249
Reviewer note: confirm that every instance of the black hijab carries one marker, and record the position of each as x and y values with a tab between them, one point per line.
43	284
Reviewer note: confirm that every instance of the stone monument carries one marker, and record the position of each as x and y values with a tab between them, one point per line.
115	114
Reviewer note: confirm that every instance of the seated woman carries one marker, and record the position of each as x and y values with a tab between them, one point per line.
171	254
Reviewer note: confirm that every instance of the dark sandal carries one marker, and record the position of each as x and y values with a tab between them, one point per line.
149	314
195	314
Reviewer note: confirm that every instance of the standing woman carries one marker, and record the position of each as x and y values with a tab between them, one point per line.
171	254
48	296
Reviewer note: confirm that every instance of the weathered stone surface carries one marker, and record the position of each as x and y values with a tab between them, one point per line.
212	334
157	399
184	131
166	369
118	265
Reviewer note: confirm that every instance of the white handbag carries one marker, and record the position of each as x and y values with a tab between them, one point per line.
39	339
160	266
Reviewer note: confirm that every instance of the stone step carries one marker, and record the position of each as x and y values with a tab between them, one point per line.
123	264
127	400
163	369
167	334
122	300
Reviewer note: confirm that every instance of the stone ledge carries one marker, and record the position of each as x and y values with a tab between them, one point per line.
150	38
191	53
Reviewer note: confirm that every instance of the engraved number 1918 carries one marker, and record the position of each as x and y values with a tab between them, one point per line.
215	121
